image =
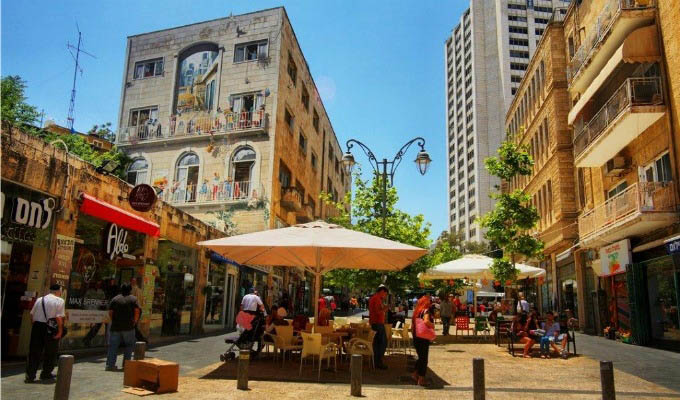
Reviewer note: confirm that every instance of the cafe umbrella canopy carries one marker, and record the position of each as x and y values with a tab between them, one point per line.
317	247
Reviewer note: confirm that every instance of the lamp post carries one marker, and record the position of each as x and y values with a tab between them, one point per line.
386	168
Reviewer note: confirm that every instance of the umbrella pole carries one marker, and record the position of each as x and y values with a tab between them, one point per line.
317	293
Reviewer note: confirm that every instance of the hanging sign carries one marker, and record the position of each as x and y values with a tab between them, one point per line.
615	257
142	197
673	245
63	257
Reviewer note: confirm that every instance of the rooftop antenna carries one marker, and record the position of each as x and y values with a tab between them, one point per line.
76	58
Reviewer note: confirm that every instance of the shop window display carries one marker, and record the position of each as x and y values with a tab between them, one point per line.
104	257
663	286
214	294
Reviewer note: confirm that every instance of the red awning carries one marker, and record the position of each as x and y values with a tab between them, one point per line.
92	206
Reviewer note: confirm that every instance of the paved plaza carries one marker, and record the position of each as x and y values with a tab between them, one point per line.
641	373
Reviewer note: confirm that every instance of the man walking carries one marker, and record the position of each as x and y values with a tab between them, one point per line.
376	315
124	311
43	346
445	311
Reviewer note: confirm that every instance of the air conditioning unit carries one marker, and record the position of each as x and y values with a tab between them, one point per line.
615	166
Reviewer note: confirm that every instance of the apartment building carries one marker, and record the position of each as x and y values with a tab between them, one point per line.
623	82
537	118
224	118
486	57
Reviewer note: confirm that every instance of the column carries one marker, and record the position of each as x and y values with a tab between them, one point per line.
580	269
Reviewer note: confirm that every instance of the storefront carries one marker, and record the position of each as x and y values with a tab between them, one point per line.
277	292
174	276
252	277
567	295
107	251
27	226
546	288
220	293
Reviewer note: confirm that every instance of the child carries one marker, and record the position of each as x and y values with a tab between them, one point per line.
552	330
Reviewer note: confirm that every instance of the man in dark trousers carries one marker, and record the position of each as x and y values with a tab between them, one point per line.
124	311
44	346
376	315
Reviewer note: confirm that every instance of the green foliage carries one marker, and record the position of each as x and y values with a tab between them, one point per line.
15	111
513	217
225	216
103	131
366	216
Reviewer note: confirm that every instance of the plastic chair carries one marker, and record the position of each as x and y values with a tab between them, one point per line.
363	347
340	322
482	325
463	324
284	341
388	334
312	346
402	340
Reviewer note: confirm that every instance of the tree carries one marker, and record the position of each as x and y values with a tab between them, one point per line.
513	216
103	131
15	111
366	216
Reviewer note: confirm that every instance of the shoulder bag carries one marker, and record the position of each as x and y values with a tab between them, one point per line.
52	324
423	331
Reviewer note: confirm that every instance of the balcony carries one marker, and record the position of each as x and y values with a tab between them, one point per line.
633	107
305	214
639	209
617	19
291	198
192	126
191	195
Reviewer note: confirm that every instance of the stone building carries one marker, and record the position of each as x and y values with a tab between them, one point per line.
623	82
224	117
64	222
537	118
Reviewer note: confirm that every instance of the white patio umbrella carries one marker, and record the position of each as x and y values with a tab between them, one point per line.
317	247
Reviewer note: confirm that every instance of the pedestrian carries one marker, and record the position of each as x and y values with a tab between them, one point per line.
44	342
137	292
124	311
522	304
445	312
376	316
422	314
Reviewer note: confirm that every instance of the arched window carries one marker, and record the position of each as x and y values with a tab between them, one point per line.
196	77
137	172
242	164
186	178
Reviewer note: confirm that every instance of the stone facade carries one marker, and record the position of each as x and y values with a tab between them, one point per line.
222	96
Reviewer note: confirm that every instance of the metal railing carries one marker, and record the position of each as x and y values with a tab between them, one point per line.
633	92
209	193
291	197
185	126
642	197
610	12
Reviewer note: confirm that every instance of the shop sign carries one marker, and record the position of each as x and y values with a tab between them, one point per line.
26	220
87	316
63	257
615	257
142	197
34	214
116	243
673	245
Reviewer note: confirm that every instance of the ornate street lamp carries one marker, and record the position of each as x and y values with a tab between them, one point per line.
386	168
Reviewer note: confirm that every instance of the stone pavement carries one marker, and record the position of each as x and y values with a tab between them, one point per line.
640	373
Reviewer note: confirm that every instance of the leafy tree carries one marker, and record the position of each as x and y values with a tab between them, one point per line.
104	131
15	111
366	216
513	216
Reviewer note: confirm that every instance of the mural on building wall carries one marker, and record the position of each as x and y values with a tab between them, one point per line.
196	79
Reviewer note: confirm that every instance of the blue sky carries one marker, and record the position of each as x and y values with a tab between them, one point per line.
379	65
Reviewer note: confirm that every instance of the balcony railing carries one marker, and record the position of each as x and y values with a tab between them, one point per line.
610	12
179	126
633	92
209	193
642	197
291	198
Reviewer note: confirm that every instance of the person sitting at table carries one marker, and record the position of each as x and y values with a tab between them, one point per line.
552	333
520	329
273	320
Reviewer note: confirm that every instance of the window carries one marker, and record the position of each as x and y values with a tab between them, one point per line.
516	6
242	166
617	189
513	91
141	116
539	31
581	187
292	69
137	172
315	162
518	66
543	9
284	175
518	29
315	121
186	178
210	95
303	143
659	170
305	98
571	47
541	20
248	102
519	42
250	51
515	79
197	66
517	18
148	68
290	120
519	54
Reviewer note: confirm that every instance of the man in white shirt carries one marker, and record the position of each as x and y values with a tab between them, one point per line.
252	302
522	304
43	345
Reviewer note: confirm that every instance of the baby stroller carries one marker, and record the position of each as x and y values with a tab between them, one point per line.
250	329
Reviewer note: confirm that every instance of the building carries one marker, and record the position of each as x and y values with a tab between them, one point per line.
486	57
64	222
224	117
537	118
98	143
624	90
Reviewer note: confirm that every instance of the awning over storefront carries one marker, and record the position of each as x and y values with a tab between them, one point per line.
100	209
216	257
